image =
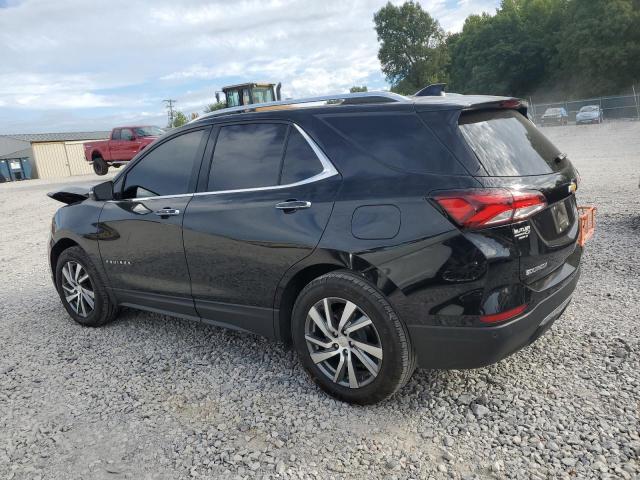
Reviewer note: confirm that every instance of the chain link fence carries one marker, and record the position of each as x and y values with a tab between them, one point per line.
614	107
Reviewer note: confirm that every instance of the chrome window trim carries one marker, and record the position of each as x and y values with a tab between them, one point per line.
328	170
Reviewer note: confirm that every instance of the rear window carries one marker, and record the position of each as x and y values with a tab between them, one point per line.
399	140
507	144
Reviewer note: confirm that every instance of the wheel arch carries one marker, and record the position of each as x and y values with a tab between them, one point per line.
296	279
57	249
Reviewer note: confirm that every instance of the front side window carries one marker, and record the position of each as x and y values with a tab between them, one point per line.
167	169
247	156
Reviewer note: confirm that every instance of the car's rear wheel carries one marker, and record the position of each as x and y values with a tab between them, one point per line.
350	340
100	166
82	290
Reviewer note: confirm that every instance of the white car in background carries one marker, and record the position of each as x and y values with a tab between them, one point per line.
589	114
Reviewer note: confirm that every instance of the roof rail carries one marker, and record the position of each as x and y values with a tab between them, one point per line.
342	99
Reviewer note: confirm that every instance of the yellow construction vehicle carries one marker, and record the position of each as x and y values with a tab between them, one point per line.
248	93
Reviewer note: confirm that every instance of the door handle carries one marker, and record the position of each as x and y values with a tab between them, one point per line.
167	212
293	205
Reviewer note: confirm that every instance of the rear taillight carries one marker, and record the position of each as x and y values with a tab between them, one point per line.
488	207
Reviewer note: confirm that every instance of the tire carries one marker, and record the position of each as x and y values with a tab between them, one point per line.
389	352
100	166
103	310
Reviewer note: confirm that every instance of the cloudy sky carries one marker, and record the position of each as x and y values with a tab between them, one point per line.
70	65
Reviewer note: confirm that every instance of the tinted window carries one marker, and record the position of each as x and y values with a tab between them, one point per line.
149	131
126	134
507	144
300	161
166	170
247	156
115	135
399	140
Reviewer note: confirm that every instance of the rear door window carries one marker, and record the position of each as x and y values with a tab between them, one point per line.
509	145
300	161
247	156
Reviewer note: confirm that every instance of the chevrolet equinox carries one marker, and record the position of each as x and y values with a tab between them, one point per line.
376	233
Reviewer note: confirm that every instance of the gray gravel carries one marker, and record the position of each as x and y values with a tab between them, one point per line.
150	397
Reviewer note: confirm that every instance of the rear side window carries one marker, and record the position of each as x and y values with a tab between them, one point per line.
399	140
167	169
300	161
247	156
115	135
507	144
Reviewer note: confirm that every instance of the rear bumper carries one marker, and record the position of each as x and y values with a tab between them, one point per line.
474	347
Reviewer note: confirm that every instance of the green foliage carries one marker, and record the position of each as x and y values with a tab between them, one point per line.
179	119
546	48
412	46
212	107
356	89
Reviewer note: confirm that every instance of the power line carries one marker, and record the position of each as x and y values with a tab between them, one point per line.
170	112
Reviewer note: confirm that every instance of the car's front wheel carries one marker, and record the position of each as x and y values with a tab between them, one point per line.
350	339
82	290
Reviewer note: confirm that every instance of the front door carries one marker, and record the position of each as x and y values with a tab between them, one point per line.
125	147
140	235
264	207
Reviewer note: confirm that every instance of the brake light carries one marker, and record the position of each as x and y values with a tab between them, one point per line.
488	207
502	316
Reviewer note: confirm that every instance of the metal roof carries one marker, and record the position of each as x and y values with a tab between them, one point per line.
9	145
26	153
58	137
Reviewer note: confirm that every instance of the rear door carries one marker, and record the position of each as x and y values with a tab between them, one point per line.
262	207
515	154
140	235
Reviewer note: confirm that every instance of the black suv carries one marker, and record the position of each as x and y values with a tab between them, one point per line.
375	232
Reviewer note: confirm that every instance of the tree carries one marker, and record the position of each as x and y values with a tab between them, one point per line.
599	51
179	119
356	89
548	48
413	49
212	107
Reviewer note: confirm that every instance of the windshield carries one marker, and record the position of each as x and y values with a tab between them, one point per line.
589	108
552	111
507	144
149	131
262	95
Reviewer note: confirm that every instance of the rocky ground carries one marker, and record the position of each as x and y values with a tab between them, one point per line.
150	397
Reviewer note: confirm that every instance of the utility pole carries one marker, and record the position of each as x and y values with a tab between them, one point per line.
170	113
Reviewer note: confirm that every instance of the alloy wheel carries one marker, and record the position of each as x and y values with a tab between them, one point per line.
77	288
343	342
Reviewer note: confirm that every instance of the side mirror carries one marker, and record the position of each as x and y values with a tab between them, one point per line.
102	192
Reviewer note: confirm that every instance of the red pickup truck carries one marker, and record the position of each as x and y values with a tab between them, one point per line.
122	146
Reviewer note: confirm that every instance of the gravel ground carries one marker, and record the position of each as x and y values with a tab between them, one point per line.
150	397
